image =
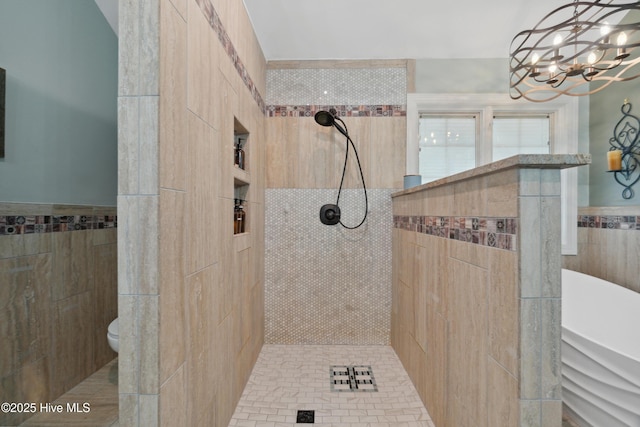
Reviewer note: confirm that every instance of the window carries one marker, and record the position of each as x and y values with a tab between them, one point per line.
447	145
475	129
520	135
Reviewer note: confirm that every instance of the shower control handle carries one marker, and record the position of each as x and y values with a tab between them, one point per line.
330	214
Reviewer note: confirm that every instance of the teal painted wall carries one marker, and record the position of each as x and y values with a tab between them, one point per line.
61	58
462	75
605	113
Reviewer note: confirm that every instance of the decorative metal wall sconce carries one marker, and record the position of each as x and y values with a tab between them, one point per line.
3	77
623	157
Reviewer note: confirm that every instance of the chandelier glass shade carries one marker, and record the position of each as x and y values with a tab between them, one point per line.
577	49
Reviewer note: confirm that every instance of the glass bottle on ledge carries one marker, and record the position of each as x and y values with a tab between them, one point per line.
238	217
241	217
239	154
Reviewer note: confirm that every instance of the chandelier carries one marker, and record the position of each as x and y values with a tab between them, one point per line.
577	49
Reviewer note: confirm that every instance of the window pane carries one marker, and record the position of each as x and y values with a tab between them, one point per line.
520	135
447	145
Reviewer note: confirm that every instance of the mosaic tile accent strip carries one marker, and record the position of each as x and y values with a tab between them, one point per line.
342	110
614	222
214	21
337	86
500	233
29	224
352	378
325	284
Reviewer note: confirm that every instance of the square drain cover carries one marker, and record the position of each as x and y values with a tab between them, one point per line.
305	417
352	378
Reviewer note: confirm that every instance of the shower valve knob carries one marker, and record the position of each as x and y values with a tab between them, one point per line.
330	214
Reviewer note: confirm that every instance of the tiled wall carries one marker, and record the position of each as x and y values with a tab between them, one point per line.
608	245
326	284
478	326
337	86
58	293
190	293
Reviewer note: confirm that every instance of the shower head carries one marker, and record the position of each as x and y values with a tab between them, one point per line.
330	118
326	118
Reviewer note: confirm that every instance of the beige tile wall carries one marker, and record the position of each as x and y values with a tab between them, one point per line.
610	254
476	327
191	293
337	299
302	154
314	293
57	298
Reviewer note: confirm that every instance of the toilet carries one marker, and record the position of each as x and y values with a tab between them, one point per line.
112	335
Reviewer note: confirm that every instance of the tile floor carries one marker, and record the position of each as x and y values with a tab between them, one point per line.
285	380
100	391
289	378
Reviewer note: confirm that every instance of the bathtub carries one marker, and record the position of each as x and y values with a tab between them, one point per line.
600	352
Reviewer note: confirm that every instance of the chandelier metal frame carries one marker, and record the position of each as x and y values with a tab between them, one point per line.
577	49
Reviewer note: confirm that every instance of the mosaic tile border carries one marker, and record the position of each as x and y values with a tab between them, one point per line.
500	233
30	224
612	222
214	21
342	110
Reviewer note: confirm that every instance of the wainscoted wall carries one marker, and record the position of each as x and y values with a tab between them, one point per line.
58	294
608	245
190	292
476	294
326	284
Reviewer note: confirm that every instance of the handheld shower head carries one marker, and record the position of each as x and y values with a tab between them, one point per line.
330	118
326	118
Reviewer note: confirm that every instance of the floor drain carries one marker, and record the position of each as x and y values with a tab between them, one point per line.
305	417
352	378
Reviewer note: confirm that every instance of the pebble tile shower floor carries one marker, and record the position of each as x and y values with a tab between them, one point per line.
291	378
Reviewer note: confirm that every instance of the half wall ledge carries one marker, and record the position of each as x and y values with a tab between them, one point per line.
522	161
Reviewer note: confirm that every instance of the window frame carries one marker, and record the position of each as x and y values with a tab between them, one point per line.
564	120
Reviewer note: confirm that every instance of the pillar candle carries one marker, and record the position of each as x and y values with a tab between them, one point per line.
614	159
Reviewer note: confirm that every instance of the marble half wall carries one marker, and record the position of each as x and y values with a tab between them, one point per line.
327	284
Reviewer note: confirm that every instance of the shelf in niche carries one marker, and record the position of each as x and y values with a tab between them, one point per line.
240	177
241	135
241	181
241	192
241	241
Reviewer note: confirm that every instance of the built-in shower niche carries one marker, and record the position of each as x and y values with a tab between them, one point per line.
241	177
